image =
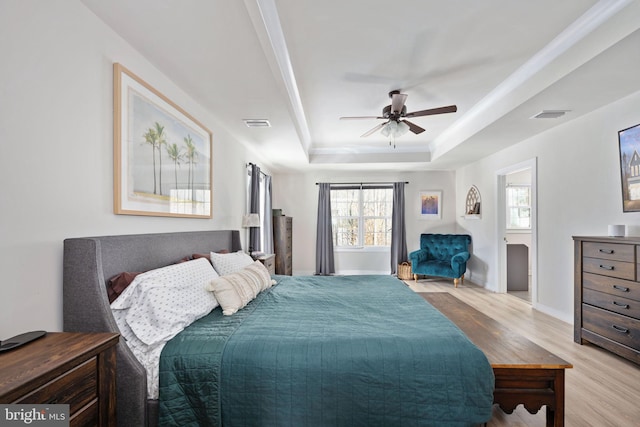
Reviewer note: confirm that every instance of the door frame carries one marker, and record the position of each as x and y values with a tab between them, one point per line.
501	225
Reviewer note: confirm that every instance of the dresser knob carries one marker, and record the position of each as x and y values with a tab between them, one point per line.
621	288
606	251
607	267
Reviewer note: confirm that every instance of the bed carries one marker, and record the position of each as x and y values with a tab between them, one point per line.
352	350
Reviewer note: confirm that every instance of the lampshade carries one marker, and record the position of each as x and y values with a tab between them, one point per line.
390	128
251	220
394	129
402	128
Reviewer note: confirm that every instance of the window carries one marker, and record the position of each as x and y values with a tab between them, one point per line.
519	207
361	216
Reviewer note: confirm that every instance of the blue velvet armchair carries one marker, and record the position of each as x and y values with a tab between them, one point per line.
443	255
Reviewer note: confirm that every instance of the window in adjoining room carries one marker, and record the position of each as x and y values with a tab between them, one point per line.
518	207
361	216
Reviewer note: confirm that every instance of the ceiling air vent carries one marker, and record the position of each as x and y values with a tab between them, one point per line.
257	123
550	114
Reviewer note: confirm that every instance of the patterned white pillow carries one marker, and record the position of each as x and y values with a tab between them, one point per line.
160	303
234	291
231	262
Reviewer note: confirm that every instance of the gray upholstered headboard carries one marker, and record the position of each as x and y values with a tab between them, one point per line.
90	261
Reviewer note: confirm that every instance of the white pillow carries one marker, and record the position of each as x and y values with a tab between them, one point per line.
160	303
234	291
231	262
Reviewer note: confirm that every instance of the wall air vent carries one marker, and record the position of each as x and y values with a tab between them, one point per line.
550	114
257	123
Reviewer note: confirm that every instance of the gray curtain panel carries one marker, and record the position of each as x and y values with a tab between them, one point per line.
398	228
267	221
324	236
254	207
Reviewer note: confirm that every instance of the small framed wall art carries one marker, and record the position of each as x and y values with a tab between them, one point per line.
162	155
431	204
628	142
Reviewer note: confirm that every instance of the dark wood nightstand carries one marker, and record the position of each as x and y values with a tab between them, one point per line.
72	368
269	261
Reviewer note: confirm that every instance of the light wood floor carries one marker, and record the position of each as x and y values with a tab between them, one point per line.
602	389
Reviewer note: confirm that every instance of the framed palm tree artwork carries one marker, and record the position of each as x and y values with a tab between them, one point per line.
162	155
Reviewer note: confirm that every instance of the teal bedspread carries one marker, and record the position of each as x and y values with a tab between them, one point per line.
326	351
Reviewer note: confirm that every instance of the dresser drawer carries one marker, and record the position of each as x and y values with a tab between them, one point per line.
77	387
611	285
612	251
616	327
269	262
88	416
611	268
625	306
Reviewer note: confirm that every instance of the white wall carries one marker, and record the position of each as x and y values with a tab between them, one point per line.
297	196
56	165
579	193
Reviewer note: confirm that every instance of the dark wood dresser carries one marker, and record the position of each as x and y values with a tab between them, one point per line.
78	369
282	244
607	294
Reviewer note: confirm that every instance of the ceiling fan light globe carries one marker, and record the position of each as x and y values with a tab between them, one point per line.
386	130
402	128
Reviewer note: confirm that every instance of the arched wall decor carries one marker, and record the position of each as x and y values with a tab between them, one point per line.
473	203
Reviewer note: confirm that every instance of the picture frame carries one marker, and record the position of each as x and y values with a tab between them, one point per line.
628	145
430	204
162	155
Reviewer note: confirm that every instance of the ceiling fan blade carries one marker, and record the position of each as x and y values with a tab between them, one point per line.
360	117
397	102
432	111
374	130
413	127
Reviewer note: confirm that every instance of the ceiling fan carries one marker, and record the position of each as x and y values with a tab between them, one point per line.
395	115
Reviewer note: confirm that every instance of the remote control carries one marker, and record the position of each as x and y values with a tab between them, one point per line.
18	340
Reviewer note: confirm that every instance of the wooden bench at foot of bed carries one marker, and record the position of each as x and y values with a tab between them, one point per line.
525	372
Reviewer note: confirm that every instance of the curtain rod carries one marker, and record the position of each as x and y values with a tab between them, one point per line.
253	164
360	183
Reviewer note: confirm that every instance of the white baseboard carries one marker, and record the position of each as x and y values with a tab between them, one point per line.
343	272
361	272
554	313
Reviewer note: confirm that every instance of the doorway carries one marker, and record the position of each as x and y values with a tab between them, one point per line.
516	237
